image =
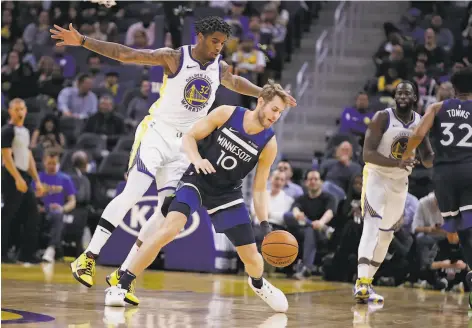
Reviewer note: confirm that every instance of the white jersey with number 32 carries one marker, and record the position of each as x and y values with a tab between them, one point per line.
187	95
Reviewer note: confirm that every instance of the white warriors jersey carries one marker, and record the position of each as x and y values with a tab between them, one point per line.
393	144
187	95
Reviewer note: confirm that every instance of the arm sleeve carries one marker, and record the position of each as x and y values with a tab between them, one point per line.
330	203
8	133
62	100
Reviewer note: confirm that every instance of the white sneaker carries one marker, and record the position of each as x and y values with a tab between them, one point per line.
274	297
115	296
49	255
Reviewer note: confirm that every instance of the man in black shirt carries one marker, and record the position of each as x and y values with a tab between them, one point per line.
18	170
313	211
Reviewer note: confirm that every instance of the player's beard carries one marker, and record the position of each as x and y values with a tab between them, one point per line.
405	109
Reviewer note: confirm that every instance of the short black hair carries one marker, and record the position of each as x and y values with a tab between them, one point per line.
309	171
81	78
211	24
462	80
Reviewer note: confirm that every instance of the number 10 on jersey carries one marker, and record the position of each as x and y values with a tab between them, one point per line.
226	161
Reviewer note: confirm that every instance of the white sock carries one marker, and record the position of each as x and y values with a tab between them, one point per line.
99	239
363	271
130	257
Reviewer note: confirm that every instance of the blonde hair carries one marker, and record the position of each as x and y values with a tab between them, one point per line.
271	90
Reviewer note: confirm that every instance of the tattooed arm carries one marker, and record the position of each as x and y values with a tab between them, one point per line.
166	57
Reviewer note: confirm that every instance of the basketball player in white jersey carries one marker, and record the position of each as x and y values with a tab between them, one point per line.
192	76
385	184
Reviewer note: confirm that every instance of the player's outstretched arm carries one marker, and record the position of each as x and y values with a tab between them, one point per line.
422	129
243	86
167	57
260	194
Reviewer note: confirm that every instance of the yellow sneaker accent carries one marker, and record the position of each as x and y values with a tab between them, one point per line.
361	289
130	297
113	278
83	270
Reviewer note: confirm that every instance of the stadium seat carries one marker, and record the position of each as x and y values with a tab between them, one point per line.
71	128
124	144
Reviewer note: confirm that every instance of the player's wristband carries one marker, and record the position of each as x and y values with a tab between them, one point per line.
83	40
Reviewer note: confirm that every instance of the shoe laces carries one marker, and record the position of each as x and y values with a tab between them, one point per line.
89	266
367	282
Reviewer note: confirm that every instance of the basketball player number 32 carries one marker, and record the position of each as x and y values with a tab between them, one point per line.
466	141
226	162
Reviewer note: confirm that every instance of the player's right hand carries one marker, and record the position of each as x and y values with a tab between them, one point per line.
70	37
21	185
408	163
204	165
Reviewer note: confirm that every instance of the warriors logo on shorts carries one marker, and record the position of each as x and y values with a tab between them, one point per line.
197	93
399	146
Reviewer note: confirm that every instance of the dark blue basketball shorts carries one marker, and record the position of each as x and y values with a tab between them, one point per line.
226	208
453	190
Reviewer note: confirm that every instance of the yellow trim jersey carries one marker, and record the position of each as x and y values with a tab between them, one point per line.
393	143
187	95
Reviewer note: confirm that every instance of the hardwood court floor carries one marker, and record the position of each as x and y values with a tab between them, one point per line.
48	296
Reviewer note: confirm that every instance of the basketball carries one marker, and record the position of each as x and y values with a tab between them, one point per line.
280	248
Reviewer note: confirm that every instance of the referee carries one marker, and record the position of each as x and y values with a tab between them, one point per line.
18	170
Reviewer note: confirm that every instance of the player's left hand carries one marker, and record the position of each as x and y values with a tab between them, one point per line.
291	101
266	228
408	163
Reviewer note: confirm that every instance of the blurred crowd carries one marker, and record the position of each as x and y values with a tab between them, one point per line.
430	42
84	108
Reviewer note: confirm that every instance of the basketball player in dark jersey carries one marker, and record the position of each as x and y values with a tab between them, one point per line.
450	126
240	140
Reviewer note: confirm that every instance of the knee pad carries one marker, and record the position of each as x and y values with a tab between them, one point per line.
166	203
180	207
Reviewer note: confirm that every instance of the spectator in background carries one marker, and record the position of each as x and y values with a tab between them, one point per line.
78	173
290	188
138	107
433	56
279	202
386	84
48	135
53	84
444	36
338	172
263	40
38	33
106	123
66	61
444	91
78	101
465	43
249	62
411	28
426	84
45	67
145	24
271	25
104	29
18	79
312	211
10	30
395	59
94	63
110	86
57	200
426	225
239	23
26	56
140	40
446	78
354	120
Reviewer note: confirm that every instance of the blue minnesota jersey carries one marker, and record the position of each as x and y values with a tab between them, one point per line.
451	133
232	152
